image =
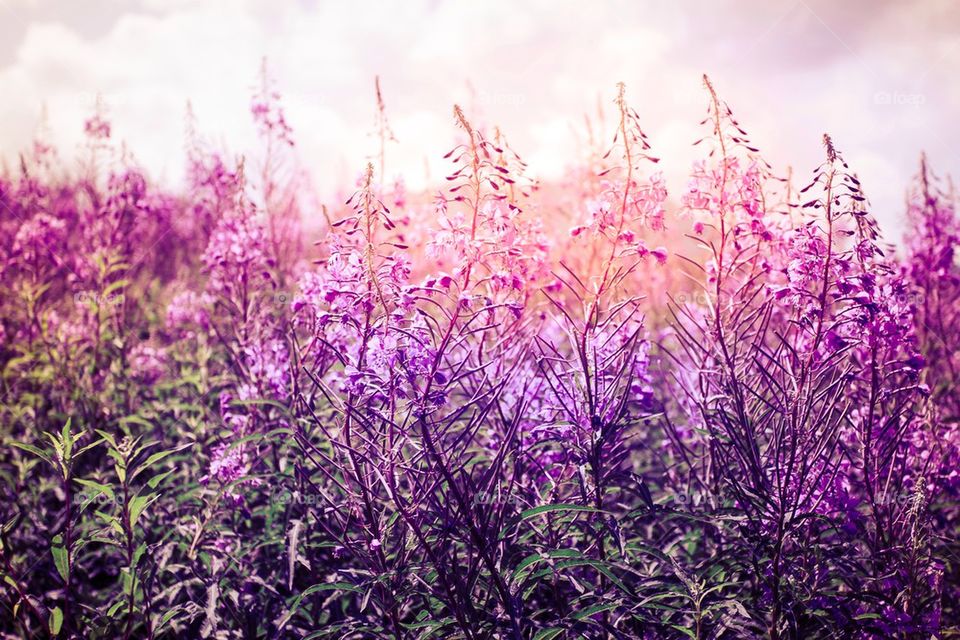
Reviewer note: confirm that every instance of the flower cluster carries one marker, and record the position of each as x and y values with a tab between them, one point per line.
495	408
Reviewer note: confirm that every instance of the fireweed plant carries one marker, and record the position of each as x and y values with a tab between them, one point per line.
591	408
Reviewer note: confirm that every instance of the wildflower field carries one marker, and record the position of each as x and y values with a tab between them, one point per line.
598	407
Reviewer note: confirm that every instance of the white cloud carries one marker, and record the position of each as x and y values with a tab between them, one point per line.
534	68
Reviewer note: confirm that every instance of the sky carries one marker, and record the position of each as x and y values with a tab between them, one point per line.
880	77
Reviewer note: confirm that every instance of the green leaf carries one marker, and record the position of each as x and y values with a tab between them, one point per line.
553	553
119	466
157	457
138	505
98	487
113	286
330	586
548	634
526	562
581	562
114	524
166	617
595	609
157	479
61	558
686	631
135	560
32	449
67	439
88	447
547	508
109	437
56	620
58	450
326	586
136	420
868	616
